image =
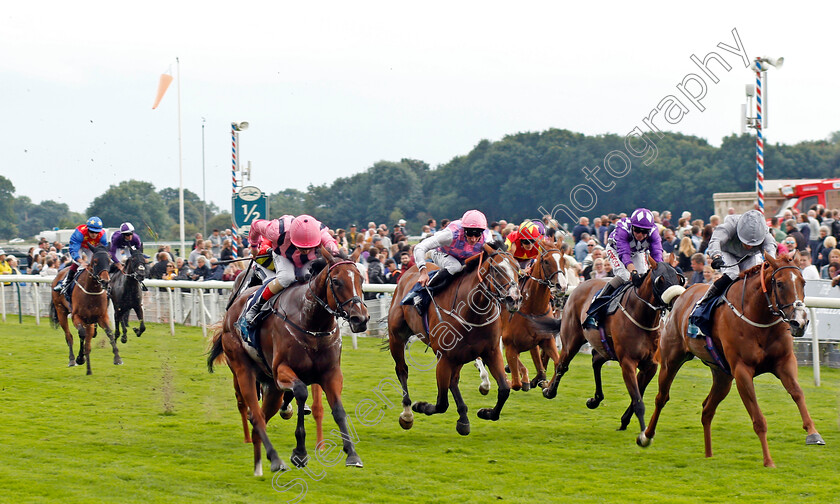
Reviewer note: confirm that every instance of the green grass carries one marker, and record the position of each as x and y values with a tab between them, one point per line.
161	429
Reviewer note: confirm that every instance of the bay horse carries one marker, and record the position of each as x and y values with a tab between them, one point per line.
299	345
463	324
546	282
88	307
749	339
631	334
127	294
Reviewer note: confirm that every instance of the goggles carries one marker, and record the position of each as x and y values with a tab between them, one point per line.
473	232
526	241
641	230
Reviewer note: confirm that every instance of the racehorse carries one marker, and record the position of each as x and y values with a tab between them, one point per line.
457	333
127	294
299	344
748	338
547	282
631	337
89	303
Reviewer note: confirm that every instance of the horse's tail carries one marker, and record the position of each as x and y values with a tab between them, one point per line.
53	316
546	323
217	353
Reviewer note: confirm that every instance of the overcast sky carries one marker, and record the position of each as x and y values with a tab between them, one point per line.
329	88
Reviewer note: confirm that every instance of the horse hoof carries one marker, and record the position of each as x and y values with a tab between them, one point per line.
279	465
593	403
137	331
507	369
80	360
299	458
484	390
643	440
487	414
72	363
814	439
463	428
354	461
621	428
549	394
118	362
307	410
526	386
287	413
124	338
516	386
406	423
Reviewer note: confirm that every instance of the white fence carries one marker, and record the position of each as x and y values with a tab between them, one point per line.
203	303
167	301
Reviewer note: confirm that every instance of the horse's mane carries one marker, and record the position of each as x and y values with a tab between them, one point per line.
748	272
473	262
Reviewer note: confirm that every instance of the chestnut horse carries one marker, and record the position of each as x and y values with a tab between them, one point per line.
546	281
127	294
749	338
631	334
464	323
299	345
89	307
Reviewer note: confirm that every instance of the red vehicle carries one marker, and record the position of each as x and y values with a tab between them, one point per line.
804	196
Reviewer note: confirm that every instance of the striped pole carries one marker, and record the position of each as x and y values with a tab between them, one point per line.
759	140
233	170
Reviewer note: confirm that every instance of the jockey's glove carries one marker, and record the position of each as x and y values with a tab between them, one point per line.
636	278
717	262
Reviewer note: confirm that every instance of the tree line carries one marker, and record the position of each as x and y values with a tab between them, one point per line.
517	177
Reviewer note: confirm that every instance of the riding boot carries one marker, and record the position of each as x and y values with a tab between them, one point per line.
439	281
592	320
716	289
65	283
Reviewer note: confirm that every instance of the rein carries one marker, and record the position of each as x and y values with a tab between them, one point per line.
778	311
102	291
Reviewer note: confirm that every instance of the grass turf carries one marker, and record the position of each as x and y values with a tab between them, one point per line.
161	429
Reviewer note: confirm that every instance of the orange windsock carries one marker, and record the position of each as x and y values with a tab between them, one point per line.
163	85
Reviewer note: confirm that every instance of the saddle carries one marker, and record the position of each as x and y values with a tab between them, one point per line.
252	335
604	307
701	316
420	297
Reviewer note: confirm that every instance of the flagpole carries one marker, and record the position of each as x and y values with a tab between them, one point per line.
180	165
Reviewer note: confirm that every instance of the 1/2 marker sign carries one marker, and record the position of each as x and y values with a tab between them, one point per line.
248	205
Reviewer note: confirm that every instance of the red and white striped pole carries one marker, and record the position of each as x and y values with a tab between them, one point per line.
759	139
233	129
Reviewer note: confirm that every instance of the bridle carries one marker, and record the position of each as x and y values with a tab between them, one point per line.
103	284
339	311
779	310
496	294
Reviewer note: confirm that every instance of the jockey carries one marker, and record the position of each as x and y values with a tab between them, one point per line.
82	241
524	243
451	246
627	246
121	243
295	242
735	246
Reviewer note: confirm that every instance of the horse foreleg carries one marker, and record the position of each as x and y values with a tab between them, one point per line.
68	336
540	375
117	319
744	380
548	349
567	353
138	310
512	357
493	359
332	389
484	388
103	323
89	329
643	378
670	366
786	371
318	415
721	384
598	361
443	372
628	372
122	320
